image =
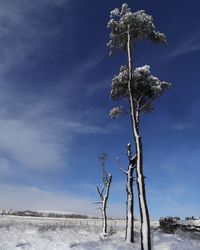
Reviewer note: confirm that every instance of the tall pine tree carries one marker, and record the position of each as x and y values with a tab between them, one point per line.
138	87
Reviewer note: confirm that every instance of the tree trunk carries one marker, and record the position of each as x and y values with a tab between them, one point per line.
129	217
145	222
104	217
107	183
126	216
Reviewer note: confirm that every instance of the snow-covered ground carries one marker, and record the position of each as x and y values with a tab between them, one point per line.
17	233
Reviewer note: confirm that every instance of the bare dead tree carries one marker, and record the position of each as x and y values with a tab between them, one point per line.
129	233
104	193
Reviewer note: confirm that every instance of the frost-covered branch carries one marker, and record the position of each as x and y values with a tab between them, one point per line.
145	88
98	202
140	24
145	105
100	192
119	166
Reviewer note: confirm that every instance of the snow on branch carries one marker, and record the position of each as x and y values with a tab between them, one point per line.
101	192
115	112
141	27
119	166
145	88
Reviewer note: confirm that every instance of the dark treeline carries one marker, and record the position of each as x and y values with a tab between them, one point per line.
43	214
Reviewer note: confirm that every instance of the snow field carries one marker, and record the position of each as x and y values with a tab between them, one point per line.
17	233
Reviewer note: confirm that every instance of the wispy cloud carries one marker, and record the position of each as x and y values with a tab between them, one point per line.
184	117
99	86
90	63
81	128
37	132
22	31
38	126
181	125
40	120
23	197
190	44
172	202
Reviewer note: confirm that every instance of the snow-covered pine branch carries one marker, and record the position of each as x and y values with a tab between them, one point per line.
144	86
141	27
115	112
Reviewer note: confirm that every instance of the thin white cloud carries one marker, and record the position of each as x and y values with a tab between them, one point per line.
21	33
29	146
38	128
181	125
188	121
23	197
5	169
191	44
39	136
171	201
81	128
90	63
99	86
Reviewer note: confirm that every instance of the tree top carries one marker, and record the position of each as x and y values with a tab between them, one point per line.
139	25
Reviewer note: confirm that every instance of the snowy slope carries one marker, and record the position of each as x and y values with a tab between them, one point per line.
17	233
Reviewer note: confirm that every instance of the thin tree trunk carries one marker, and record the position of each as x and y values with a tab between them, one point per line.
129	203
105	231
104	198
126	215
145	222
129	231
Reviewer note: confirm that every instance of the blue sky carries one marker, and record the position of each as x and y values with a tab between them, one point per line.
55	79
